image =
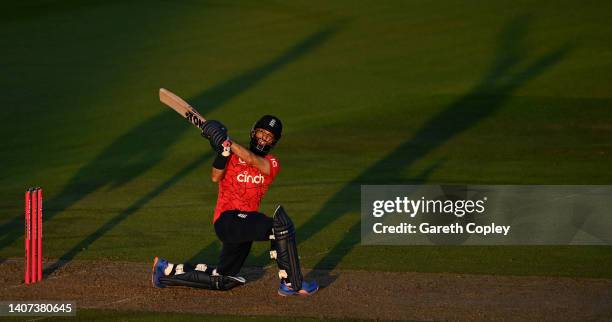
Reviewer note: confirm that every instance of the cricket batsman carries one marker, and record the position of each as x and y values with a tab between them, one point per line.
243	177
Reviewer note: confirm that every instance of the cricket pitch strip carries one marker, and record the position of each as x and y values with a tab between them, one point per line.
111	285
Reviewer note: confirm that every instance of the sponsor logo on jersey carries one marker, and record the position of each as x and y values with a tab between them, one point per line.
242	216
247	178
240	161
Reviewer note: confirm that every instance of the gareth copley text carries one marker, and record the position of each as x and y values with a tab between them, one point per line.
427	228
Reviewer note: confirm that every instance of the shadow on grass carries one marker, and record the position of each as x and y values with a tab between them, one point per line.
19	11
163	130
113	222
207	252
503	78
128	156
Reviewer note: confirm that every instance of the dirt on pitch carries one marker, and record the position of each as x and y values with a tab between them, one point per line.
344	294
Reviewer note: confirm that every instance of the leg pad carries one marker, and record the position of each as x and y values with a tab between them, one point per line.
286	248
204	280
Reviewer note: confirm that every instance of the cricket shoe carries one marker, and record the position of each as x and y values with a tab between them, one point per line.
159	266
308	288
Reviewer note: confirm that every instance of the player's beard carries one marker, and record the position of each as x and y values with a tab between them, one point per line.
255	148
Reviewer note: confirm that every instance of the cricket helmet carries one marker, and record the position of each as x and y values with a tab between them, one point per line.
273	125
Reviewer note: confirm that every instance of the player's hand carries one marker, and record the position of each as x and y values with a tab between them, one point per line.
216	133
213	127
216	142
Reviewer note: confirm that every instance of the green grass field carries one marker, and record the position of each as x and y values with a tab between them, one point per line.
504	92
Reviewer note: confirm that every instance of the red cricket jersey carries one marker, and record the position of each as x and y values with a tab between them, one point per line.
243	186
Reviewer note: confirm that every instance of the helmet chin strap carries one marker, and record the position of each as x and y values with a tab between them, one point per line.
258	149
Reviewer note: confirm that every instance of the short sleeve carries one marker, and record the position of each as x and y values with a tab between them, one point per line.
274	165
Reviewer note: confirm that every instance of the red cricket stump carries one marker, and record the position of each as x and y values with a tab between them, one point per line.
40	227
28	235
33	235
33	248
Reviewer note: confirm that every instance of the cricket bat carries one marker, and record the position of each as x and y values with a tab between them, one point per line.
188	112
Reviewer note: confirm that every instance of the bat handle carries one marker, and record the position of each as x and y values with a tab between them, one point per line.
226	147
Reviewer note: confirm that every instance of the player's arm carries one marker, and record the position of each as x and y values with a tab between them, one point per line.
217	174
262	164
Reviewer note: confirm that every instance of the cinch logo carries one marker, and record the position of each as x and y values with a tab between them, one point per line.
246	177
272	122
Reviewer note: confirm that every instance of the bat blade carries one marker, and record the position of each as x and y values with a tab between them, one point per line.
181	107
187	111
